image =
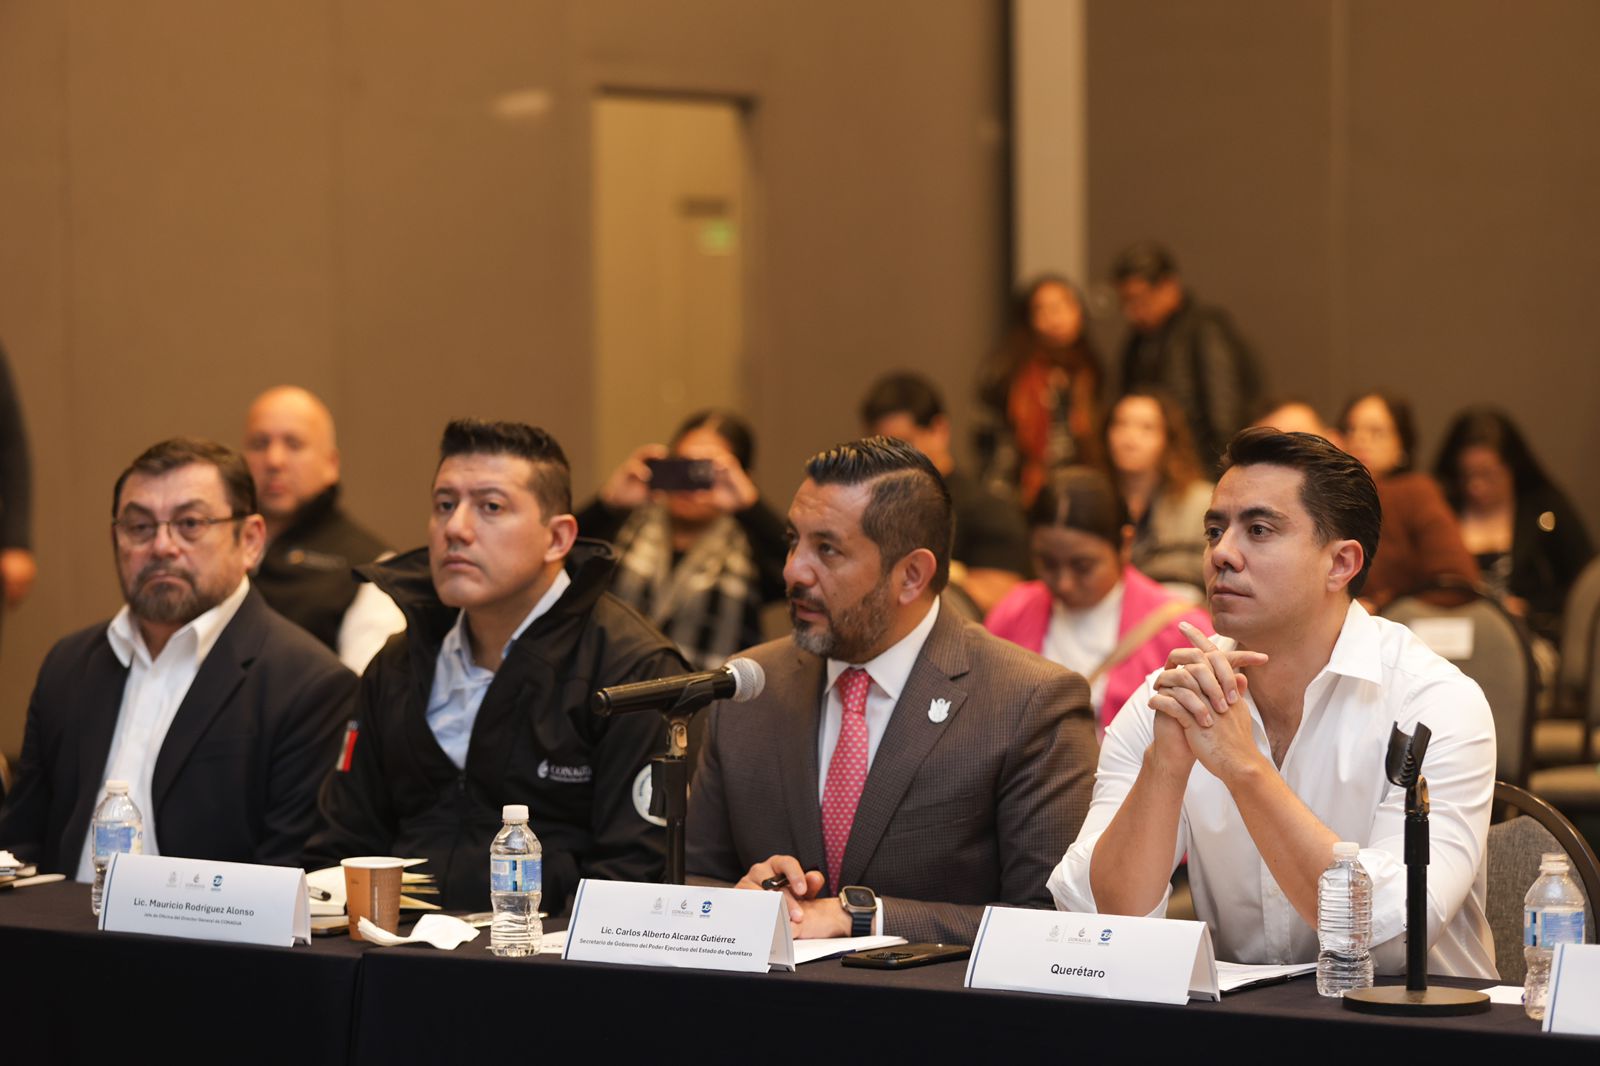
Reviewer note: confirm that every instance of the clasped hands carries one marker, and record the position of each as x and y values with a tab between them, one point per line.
1200	709
809	916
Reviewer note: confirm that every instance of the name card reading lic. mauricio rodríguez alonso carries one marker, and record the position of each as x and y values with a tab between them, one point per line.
679	925
202	900
1151	960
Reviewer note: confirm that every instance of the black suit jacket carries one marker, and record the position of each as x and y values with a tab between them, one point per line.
237	775
975	807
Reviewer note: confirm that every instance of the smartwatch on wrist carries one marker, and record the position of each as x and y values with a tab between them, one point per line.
862	907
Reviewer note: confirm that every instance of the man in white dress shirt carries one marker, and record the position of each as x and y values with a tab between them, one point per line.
222	715
1255	754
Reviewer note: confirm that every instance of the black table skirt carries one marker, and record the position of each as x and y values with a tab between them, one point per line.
340	1001
75	994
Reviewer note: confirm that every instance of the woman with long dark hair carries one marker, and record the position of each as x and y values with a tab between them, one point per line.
1527	537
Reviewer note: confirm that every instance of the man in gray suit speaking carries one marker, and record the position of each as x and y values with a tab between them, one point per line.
903	767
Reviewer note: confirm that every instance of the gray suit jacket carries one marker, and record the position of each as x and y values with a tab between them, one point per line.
956	814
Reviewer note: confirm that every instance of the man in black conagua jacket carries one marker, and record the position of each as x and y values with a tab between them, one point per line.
484	699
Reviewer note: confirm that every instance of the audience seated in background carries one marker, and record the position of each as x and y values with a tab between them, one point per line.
1529	541
898	756
1421	542
1189	349
484	700
306	573
1039	391
1158	475
1091	610
990	553
222	716
699	562
1254	755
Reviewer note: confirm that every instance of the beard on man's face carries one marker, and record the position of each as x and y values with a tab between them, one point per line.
853	635
170	602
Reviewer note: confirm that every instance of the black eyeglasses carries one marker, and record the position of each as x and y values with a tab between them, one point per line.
190	527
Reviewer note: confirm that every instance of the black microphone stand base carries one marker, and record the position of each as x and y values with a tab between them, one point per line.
1400	1000
1403	765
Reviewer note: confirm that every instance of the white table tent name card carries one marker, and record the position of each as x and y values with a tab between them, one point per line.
203	900
1574	990
1150	960
679	925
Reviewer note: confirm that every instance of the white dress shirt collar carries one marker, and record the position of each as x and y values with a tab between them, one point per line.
890	669
126	639
1358	652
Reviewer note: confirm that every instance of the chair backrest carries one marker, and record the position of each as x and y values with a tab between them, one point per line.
1577	635
1589	697
1501	662
1515	850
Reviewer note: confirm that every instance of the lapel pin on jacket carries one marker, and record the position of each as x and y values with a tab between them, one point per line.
938	711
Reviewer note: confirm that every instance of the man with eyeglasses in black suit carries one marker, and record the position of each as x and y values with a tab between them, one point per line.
223	717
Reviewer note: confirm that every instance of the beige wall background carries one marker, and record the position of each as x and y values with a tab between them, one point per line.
388	202
1394	195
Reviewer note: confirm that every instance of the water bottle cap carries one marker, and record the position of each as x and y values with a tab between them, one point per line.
1346	849
514	812
116	786
1554	862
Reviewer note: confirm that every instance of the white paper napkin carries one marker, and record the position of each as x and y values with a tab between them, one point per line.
440	930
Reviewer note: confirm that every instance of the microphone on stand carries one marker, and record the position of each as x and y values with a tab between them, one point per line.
739	680
678	698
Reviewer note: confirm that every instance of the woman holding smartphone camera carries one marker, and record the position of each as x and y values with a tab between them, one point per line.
698	552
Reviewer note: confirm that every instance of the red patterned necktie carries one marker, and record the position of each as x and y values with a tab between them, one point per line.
847	772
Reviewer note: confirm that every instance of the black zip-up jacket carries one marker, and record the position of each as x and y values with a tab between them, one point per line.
534	741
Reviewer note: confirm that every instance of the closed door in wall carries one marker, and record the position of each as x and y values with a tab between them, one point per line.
669	212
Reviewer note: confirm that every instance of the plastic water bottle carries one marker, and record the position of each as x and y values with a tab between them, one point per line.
515	882
117	828
1344	923
1552	913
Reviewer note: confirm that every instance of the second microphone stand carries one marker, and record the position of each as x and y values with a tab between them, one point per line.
1404	768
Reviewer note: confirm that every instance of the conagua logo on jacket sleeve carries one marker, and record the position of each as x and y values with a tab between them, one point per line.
566	775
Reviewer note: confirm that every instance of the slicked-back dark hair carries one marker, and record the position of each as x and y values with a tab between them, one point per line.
1084	499
169	455
909	507
902	393
1336	490
552	476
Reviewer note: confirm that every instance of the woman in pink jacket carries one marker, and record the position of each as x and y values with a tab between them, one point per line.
1091	611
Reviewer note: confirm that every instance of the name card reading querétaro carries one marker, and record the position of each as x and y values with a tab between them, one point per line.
1574	990
203	900
1151	960
679	925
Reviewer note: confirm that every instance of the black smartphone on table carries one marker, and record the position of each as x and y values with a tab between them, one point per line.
905	956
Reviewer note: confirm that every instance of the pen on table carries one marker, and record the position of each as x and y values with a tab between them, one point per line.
319	893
